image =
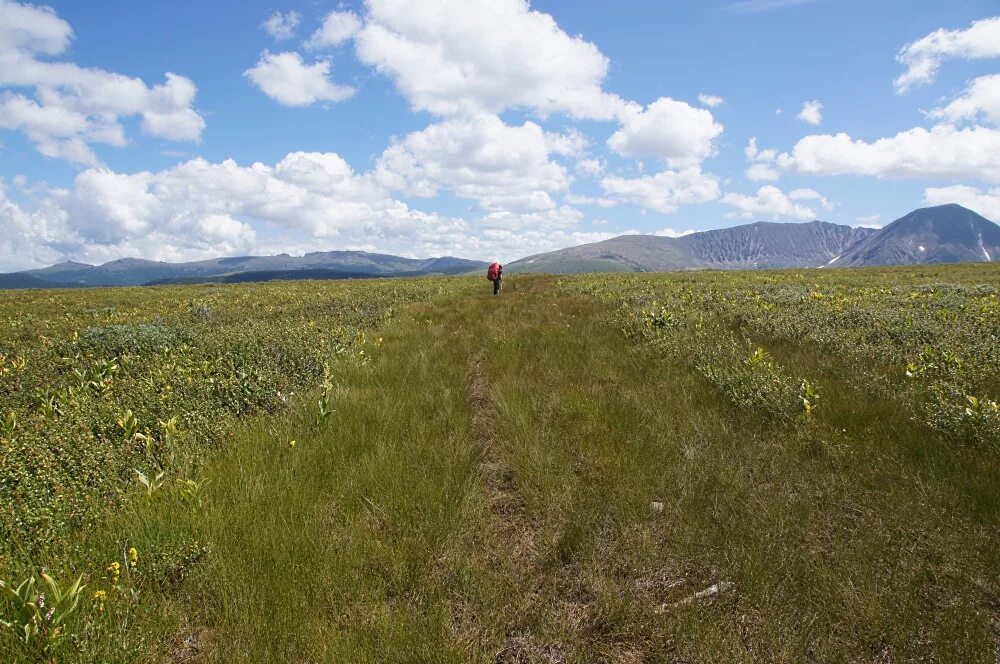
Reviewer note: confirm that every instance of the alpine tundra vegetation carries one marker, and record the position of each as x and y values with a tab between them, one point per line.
698	466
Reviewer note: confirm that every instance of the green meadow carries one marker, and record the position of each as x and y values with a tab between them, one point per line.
688	467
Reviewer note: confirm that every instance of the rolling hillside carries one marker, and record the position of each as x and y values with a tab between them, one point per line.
317	265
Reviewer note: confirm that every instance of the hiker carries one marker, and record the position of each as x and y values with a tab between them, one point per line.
495	274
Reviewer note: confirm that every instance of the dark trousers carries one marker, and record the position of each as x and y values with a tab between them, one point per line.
497	284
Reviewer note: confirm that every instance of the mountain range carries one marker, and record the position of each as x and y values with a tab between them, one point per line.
752	246
942	234
317	265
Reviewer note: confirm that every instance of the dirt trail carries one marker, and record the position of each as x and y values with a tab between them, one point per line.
508	515
498	477
557	612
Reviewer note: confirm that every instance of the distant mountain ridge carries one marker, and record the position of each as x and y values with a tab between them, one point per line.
766	245
942	234
752	246
316	265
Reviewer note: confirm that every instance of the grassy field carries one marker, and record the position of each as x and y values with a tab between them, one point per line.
697	467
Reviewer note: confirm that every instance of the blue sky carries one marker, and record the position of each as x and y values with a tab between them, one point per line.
481	128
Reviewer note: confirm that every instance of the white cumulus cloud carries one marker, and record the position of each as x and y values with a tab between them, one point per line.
812	112
71	108
337	28
576	199
762	173
285	78
479	158
674	131
570	143
710	100
282	26
670	232
869	221
923	57
34	30
467	61
462	56
28	239
664	191
591	167
943	151
768	202
200	209
556	218
986	203
979	102
810	195
763	163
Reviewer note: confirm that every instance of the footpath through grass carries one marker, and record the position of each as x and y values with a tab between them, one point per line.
511	480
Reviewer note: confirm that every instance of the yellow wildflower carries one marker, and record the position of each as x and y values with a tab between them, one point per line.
291	443
133	556
114	571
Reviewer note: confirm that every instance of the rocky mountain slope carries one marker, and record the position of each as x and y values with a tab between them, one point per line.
942	234
752	246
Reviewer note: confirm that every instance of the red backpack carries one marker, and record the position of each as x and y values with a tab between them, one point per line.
493	273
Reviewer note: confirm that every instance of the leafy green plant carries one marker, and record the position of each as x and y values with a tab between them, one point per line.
12	364
755	384
149	485
324	408
963	419
130	425
325	411
809	393
760	359
661	319
192	492
172	436
8	425
102	376
932	362
981	407
48	403
34	616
